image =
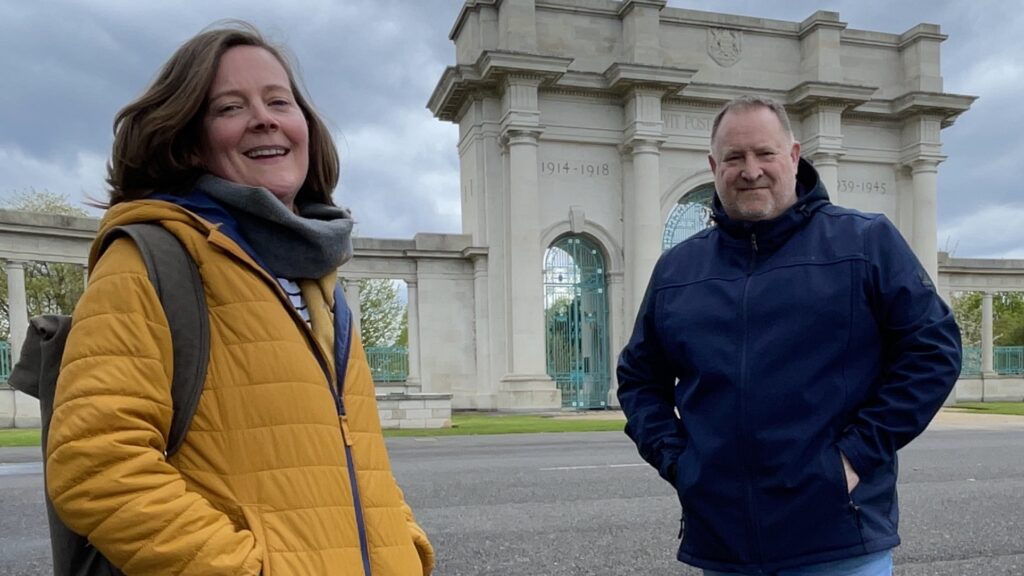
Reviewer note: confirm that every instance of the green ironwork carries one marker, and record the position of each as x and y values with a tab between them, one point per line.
388	363
971	364
1006	360
1009	360
576	319
5	361
691	215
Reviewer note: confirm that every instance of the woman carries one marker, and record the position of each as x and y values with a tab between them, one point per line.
224	151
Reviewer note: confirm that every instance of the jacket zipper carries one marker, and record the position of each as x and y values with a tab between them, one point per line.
751	505
341	355
336	393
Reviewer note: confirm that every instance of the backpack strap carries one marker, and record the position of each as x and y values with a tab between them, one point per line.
175	276
342	341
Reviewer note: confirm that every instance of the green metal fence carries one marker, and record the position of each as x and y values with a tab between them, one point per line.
1006	361
388	363
5	361
1009	360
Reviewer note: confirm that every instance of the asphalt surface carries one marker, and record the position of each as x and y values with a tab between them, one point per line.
584	504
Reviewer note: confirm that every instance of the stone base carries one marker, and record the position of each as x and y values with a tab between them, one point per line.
6	407
990	389
399	410
528	393
384	388
18	410
26	411
468	399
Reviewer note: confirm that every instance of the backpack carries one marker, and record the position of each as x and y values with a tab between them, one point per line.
176	279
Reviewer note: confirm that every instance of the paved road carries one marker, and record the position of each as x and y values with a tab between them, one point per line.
584	504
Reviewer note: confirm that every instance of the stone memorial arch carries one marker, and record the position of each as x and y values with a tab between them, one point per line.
585	124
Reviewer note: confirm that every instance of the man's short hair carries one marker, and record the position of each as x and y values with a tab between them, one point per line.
748	102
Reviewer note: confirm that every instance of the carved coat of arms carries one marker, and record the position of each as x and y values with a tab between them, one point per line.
725	46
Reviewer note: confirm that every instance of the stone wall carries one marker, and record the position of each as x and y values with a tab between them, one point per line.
990	389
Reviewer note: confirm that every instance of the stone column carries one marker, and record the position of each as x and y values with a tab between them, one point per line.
525	258
351	288
526	385
413	312
26	408
827	166
484	392
85	277
642	202
645	225
925	242
987	350
17	306
822	138
620	328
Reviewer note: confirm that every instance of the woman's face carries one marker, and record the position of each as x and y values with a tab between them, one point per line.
254	132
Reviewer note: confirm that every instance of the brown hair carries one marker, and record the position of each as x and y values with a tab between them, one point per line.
746	103
157	137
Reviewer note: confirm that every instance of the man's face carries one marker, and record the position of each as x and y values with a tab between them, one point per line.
755	163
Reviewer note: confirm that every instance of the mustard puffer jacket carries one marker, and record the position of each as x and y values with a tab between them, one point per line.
261	484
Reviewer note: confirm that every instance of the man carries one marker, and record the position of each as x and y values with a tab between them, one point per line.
778	362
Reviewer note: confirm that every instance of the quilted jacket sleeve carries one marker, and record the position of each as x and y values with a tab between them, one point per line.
106	471
419	538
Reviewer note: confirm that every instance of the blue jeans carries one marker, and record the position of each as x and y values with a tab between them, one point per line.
876	564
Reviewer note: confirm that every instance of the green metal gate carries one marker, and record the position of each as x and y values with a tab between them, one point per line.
576	318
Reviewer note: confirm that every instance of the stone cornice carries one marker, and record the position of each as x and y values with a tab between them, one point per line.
628	6
809	94
947	106
490	69
921	32
719	94
819	20
621	76
36	223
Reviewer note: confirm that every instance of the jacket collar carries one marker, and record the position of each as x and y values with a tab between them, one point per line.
811	196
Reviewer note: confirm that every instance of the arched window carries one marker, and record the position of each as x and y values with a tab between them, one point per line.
691	215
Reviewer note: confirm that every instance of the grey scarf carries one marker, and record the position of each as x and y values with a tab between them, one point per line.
311	244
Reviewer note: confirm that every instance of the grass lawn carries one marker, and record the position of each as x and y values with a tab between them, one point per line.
19	437
462	425
470	424
1011	408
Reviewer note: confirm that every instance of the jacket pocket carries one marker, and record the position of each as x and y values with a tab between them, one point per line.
686	473
848	495
254	522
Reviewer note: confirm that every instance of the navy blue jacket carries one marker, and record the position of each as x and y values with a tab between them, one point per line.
782	343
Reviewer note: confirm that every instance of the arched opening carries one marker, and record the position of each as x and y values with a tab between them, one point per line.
576	322
691	215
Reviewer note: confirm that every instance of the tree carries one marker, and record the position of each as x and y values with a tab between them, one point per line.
50	287
1007	318
403	334
967	310
382	312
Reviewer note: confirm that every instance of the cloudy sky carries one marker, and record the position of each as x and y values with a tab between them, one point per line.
67	66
